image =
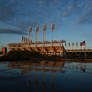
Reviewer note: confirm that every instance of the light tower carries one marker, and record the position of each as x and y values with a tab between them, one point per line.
44	32
52	32
36	33
29	34
22	39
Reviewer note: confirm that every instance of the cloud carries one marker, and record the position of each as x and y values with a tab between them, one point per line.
7	9
10	31
28	12
86	18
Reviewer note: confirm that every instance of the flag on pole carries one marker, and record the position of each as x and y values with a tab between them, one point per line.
69	44
76	44
22	39
65	44
82	43
72	44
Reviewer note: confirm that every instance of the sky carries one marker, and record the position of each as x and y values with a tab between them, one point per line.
72	19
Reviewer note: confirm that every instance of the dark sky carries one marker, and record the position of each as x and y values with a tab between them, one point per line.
72	19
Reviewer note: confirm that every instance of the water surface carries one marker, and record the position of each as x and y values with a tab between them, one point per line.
31	77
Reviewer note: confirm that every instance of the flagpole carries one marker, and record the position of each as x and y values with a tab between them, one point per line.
81	47
85	50
85	45
81	51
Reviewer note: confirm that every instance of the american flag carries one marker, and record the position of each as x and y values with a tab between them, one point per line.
82	43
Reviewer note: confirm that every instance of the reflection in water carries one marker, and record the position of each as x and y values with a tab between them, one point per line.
52	81
40	76
43	79
61	70
22	72
76	68
29	80
35	79
28	70
83	68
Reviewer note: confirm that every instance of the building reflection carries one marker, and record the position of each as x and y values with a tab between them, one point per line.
83	68
28	68
51	66
35	79
43	79
29	80
75	67
52	81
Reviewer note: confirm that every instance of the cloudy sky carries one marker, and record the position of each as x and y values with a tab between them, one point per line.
72	19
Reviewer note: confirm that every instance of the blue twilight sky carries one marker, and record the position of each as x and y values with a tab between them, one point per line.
72	19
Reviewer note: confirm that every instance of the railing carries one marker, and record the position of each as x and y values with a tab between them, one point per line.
79	50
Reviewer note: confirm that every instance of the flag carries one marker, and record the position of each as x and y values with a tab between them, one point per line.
72	44
69	44
82	43
65	44
22	38
76	44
